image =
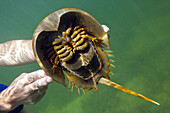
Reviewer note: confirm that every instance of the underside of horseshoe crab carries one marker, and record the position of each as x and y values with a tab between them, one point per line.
72	41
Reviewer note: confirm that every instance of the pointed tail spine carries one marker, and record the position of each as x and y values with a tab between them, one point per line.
117	86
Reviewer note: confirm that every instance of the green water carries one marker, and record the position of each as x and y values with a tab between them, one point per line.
139	37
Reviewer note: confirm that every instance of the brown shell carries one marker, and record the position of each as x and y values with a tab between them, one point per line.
59	21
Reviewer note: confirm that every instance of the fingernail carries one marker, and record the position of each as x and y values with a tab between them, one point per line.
49	79
106	29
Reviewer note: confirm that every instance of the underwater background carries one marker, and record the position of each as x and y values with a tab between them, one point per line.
139	36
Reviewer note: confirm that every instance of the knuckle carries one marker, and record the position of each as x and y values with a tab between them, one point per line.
39	73
20	83
33	87
14	91
23	73
29	79
42	82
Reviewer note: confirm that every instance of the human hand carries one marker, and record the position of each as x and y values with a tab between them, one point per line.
28	88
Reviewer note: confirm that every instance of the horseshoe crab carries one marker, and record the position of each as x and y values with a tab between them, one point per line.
72	41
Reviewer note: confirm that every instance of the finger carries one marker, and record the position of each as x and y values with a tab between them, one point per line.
106	29
33	76
35	93
33	99
38	92
18	78
21	76
40	83
38	98
42	90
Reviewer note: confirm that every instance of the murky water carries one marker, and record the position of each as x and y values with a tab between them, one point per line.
139	37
